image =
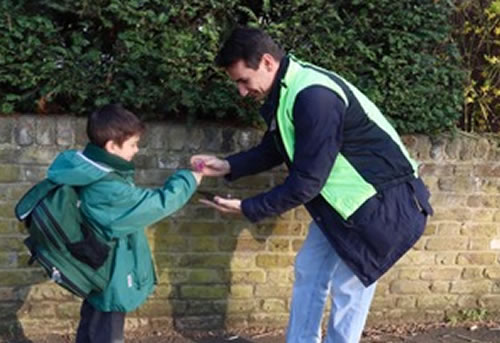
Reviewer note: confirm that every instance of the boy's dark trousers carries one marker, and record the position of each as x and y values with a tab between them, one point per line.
99	327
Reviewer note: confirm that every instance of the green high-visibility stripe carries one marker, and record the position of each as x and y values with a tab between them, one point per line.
345	189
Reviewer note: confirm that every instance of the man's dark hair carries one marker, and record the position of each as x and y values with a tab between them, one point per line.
247	44
112	123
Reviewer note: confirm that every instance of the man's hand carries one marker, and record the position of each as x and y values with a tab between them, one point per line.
210	165
224	205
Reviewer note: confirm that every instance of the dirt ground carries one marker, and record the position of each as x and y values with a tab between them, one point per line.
484	332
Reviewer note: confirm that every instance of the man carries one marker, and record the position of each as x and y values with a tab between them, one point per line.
346	165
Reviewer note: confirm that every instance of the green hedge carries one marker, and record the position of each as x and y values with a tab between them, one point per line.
156	56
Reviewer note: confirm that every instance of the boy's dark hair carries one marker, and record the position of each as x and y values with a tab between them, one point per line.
247	44
112	122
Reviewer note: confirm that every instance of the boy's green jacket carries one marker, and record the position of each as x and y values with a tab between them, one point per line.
120	211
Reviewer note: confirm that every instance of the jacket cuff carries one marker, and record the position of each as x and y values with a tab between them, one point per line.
237	163
248	210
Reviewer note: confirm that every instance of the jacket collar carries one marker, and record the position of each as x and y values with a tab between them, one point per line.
98	154
269	107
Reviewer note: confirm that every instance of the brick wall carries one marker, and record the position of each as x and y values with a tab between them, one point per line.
216	270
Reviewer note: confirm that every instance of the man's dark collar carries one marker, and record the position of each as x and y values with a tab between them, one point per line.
268	109
98	154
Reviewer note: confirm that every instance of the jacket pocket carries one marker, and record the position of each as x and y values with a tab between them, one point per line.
391	222
365	212
124	294
373	228
421	196
144	270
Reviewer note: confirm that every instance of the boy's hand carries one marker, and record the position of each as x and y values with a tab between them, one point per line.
210	165
198	176
224	205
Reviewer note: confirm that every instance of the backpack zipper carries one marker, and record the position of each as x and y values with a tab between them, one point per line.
39	222
65	282
56	225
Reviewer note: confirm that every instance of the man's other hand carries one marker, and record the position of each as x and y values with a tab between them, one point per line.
224	205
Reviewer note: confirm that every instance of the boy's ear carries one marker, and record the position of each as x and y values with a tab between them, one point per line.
110	146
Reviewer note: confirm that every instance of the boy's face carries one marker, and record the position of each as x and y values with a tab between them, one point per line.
127	150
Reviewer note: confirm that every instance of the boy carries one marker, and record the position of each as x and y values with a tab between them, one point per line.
118	211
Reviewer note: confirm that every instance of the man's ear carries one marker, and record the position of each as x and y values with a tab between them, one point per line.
268	62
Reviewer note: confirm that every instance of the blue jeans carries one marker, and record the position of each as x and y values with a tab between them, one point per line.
318	272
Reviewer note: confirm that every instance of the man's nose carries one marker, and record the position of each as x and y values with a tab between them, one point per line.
243	91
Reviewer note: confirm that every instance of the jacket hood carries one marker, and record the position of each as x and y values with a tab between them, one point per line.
80	168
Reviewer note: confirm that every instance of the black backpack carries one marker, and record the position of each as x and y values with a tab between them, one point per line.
72	253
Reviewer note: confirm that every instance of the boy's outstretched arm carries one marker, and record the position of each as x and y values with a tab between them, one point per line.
133	208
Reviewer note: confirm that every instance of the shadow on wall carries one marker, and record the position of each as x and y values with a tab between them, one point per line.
13	301
43	310
206	267
29	304
16	281
11	329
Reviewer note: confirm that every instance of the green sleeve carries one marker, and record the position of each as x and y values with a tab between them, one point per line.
129	208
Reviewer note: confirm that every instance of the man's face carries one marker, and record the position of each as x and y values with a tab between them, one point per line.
256	83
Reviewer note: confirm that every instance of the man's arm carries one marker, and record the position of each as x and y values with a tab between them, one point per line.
318	119
258	159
